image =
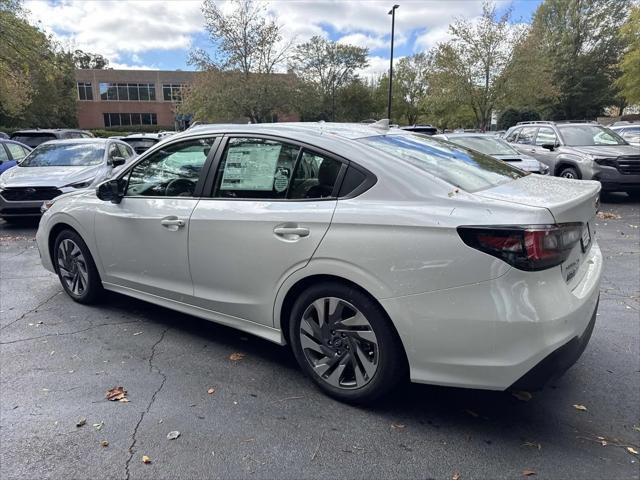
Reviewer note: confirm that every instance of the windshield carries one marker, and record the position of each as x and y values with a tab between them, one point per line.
65	155
33	139
589	135
486	145
466	169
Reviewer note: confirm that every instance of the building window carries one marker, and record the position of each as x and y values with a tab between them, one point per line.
172	92
128	92
84	91
129	119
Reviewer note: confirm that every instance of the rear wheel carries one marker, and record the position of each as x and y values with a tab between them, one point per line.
345	343
569	172
76	269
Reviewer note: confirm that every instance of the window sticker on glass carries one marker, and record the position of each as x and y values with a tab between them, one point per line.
251	167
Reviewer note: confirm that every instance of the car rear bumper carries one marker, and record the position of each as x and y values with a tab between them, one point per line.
490	334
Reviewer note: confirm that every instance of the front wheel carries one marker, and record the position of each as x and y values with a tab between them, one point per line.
569	172
344	341
76	269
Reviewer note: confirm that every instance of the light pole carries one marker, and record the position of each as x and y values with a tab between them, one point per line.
392	12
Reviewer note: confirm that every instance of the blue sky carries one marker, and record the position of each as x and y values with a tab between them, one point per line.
158	34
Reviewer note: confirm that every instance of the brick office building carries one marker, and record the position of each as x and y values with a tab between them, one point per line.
112	98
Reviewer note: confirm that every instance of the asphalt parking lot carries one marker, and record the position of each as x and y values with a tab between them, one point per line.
264	419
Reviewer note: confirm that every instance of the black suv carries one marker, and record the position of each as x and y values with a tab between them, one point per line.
581	150
35	137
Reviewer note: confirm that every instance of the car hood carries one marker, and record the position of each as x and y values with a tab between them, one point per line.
567	200
523	162
49	176
608	150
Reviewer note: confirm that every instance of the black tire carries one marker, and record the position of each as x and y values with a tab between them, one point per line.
569	172
93	290
391	366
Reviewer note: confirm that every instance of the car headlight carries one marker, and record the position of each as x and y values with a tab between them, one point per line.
46	205
605	162
82	184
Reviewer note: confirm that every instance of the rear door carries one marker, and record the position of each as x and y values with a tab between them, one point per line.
271	204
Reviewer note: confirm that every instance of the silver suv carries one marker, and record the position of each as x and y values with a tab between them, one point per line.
583	150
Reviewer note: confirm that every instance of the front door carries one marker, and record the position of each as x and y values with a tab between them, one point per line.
142	241
271	204
546	136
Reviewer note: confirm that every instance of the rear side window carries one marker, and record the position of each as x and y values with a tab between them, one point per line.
314	177
33	139
256	168
353	179
16	151
527	135
459	166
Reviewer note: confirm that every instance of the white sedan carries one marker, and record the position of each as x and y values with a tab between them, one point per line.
377	254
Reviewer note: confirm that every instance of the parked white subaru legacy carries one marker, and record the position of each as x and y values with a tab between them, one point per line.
376	254
57	167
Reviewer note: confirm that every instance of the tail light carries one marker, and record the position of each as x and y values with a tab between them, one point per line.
527	247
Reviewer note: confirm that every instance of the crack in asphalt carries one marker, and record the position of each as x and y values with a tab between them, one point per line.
152	368
31	311
25	249
91	327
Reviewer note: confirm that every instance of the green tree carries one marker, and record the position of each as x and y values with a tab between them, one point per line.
329	66
37	86
85	60
472	67
239	77
410	86
580	39
629	81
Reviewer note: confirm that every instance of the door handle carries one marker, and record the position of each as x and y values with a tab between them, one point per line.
172	223
291	231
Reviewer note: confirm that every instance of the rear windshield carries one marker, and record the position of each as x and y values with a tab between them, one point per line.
65	155
588	135
33	139
459	166
486	145
140	143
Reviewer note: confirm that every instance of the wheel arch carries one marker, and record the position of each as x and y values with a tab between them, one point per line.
303	283
565	162
59	227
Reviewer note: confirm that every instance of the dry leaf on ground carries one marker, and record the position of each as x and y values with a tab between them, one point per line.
528	473
236	356
211	391
104	443
632	450
145	459
98	426
608	216
81	422
456	476
582	408
173	435
522	395
116	393
397	426
532	444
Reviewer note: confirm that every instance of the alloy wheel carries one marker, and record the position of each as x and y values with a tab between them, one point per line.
72	266
568	174
339	343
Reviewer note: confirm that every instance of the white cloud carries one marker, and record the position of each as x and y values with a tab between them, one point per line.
113	28
431	38
363	40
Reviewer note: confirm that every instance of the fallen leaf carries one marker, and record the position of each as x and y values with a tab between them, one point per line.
124	400
636	427
145	459
116	393
236	356
98	426
632	450
398	426
81	422
211	391
522	395
137	333
173	435
531	444
456	476
104	443
608	216
528	473
582	408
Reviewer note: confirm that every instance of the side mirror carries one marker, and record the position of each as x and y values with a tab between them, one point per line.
549	146
111	190
116	161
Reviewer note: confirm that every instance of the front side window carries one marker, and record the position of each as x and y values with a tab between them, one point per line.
65	155
512	136
463	168
16	151
527	135
256	168
3	155
546	136
172	171
589	135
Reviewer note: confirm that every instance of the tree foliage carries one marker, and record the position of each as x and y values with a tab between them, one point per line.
629	81
37	85
328	65
85	60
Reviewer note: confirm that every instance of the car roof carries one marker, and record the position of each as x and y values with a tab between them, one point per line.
73	141
468	134
48	130
153	136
